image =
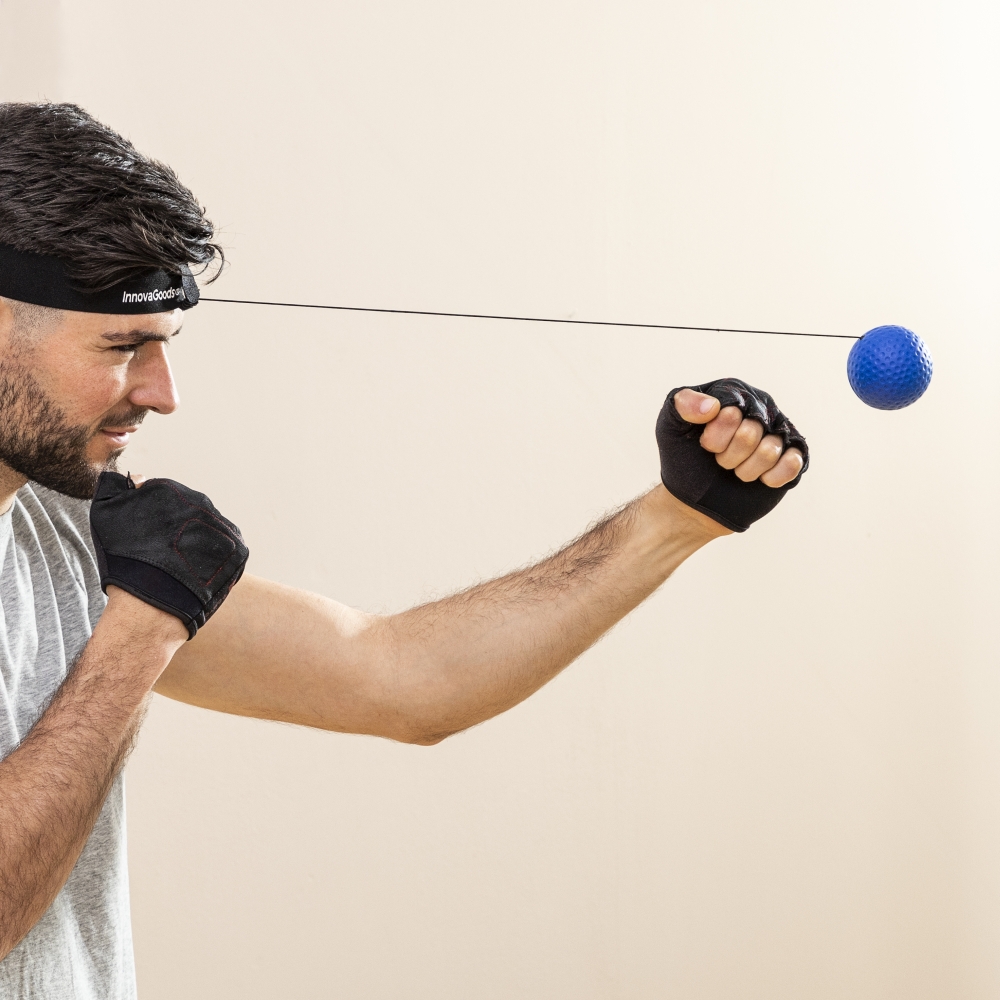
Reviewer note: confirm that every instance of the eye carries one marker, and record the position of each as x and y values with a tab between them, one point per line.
125	348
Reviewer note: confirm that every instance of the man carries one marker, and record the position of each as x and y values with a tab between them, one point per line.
95	245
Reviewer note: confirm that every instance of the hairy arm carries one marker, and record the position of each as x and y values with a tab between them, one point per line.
277	653
53	785
272	652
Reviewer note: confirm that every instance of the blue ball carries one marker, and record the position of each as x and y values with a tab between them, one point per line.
889	367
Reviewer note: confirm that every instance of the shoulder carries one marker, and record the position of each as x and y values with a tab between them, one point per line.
65	517
57	529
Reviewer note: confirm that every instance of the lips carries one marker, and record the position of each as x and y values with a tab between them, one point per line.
118	436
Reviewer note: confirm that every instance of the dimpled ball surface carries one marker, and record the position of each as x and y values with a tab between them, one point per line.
889	367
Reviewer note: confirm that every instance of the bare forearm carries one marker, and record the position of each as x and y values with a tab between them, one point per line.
277	653
53	786
273	652
475	654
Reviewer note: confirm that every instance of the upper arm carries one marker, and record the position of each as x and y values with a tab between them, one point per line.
274	652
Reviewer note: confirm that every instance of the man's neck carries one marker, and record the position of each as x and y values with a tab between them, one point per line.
10	483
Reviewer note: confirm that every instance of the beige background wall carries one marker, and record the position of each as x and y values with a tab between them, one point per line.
779	778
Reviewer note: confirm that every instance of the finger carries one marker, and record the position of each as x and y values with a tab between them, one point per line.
787	468
717	435
743	444
695	407
765	457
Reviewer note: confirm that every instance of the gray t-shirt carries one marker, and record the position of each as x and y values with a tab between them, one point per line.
50	600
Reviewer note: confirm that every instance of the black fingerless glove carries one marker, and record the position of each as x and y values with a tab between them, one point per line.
693	475
166	545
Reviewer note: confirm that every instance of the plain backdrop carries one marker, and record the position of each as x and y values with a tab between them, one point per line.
779	777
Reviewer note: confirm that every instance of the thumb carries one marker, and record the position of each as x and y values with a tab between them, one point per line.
696	407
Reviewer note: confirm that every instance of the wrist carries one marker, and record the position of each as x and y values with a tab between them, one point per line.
677	521
144	622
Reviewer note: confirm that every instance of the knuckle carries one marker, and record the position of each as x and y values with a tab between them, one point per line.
749	432
776	476
770	449
785	470
712	440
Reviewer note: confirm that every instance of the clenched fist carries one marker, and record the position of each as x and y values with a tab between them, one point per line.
167	545
728	451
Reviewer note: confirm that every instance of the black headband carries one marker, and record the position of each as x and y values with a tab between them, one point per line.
43	281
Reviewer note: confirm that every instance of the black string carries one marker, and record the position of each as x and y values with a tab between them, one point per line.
531	319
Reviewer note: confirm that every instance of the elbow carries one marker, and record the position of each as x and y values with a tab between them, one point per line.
425	739
423	734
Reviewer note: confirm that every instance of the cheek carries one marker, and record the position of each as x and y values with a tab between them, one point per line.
86	393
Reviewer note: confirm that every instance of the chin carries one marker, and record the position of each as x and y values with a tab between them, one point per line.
108	464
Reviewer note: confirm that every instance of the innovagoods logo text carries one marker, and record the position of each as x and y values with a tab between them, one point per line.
155	296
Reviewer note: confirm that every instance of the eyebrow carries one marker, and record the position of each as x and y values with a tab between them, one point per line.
138	337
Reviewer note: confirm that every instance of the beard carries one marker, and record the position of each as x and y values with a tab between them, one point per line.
38	441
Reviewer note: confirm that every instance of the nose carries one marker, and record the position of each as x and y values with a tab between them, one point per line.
153	382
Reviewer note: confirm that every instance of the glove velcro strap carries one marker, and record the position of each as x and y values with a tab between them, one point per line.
155	587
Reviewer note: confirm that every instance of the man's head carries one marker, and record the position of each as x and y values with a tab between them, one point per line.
72	188
74	384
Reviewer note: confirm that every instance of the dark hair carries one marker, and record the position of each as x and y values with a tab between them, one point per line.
72	188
